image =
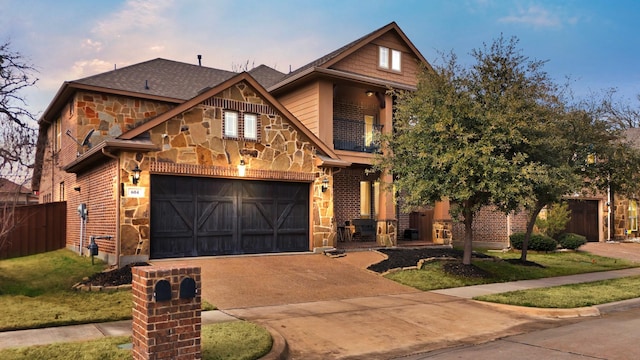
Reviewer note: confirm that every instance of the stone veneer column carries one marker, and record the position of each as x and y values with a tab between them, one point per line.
166	329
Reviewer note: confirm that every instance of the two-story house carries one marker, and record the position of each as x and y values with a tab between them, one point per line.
167	159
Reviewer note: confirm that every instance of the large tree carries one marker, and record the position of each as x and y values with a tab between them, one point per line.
17	128
463	133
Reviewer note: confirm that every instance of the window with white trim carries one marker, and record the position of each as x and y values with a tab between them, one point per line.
383	57
250	126
389	59
231	124
396	60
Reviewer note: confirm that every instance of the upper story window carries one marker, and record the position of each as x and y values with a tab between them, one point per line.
389	59
56	136
240	125
231	124
251	126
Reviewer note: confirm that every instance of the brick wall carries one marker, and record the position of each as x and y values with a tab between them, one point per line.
98	189
347	193
166	328
490	226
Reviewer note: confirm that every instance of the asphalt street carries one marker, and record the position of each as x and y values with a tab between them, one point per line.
613	336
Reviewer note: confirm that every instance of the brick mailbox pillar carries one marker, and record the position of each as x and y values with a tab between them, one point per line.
166	312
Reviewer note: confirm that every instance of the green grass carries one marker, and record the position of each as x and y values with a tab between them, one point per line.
571	296
35	292
233	340
432	277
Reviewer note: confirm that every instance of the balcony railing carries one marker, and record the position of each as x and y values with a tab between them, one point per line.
353	135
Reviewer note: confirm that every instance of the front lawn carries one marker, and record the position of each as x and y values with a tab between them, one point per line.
233	340
35	292
432	276
571	296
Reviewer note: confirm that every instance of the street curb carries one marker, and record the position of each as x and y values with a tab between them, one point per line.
279	349
587	311
546	313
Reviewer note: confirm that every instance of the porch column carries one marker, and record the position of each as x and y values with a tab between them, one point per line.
387	223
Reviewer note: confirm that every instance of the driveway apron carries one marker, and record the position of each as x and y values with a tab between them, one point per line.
254	281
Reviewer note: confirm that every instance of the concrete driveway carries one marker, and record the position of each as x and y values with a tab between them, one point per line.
628	251
333	308
266	280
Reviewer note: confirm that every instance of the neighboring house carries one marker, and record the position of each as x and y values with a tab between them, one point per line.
172	159
16	194
624	212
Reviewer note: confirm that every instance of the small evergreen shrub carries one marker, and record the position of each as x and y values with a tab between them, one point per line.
571	241
556	220
537	242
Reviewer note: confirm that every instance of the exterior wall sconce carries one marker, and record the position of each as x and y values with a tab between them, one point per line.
136	175
242	168
325	184
369	93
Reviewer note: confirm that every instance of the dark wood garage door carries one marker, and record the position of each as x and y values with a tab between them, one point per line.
584	219
201	216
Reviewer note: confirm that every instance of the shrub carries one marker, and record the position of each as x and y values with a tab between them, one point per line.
537	242
555	221
571	241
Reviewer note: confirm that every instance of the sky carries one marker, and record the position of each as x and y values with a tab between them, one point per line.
594	43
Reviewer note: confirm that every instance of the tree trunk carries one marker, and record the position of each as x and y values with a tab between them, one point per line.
530	224
468	237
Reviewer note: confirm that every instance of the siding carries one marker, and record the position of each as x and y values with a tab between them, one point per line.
304	105
365	61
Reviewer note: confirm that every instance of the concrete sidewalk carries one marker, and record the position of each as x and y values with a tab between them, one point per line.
21	338
469	292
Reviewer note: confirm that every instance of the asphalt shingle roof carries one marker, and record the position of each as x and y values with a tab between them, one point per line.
160	77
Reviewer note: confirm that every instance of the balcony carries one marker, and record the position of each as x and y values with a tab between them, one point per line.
353	135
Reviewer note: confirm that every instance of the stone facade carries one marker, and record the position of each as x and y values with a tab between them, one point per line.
192	143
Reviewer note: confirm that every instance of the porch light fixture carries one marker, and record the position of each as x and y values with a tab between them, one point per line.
136	175
325	184
369	93
242	168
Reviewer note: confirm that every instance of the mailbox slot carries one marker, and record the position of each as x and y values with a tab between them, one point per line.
187	288
162	291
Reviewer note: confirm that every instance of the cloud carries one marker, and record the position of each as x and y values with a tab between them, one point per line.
84	68
135	15
535	16
92	45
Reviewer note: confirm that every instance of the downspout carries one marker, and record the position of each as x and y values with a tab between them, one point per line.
117	234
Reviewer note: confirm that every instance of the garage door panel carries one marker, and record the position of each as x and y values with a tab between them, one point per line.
256	216
221	244
216	216
222	216
291	242
173	245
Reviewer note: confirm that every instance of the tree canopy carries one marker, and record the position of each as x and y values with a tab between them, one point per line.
494	133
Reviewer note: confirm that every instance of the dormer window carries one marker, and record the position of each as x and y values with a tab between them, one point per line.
389	59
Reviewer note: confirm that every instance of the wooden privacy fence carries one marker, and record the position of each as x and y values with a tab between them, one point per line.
39	228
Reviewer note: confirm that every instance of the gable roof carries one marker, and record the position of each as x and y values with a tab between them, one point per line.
9	187
160	77
326	61
246	77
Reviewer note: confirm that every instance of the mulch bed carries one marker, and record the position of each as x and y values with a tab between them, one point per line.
400	258
114	277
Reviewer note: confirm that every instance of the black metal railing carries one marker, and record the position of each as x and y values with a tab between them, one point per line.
354	135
